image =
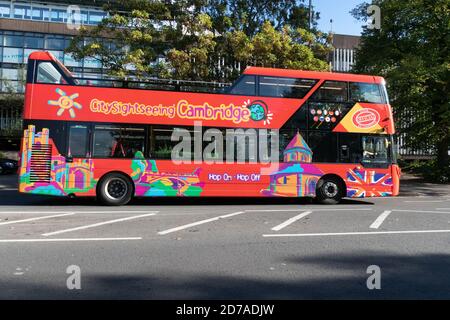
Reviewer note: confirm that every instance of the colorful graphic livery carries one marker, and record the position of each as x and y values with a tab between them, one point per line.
114	139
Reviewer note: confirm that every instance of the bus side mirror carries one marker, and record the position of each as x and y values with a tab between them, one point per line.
69	159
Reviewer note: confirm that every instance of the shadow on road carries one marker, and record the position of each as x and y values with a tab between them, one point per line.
10	196
402	277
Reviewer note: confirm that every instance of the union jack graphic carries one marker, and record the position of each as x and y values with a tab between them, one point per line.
364	183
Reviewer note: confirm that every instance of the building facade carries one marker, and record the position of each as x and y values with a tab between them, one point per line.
27	26
343	56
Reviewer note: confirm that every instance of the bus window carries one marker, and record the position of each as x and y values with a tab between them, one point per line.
350	148
47	73
375	150
78	141
246	86
365	92
285	87
332	91
164	139
324	146
118	142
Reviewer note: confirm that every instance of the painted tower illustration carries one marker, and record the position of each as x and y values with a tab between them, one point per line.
297	176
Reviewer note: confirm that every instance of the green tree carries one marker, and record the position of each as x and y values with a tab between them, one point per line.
412	52
200	39
279	49
248	16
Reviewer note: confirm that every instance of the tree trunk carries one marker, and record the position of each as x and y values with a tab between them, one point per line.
443	158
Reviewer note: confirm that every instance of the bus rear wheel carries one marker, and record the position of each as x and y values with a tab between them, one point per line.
329	190
115	189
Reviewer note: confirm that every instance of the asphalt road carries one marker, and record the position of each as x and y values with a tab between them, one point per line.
226	248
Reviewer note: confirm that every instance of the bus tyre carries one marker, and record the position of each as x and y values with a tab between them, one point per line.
329	191
115	189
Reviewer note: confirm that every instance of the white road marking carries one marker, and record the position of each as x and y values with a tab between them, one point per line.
377	223
193	224
418	211
314	209
68	240
373	233
73	211
425	201
291	221
442	208
98	224
37	218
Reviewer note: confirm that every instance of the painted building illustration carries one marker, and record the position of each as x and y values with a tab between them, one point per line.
150	182
298	150
45	171
296	177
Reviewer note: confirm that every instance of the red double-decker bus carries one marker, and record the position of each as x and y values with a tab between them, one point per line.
274	132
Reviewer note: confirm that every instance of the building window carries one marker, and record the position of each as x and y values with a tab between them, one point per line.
58	15
34	41
22	12
69	61
284	87
5	10
13	39
366	92
84	17
95	17
55	43
245	87
92	63
10	74
118	142
78	141
40	13
332	91
13	55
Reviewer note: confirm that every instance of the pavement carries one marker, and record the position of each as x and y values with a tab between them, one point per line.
226	248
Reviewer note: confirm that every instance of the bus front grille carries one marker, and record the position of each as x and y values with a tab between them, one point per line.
41	163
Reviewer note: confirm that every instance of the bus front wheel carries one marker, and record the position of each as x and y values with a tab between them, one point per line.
329	190
115	189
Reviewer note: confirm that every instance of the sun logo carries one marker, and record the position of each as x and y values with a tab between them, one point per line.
65	102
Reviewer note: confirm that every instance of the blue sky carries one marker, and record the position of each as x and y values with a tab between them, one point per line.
339	11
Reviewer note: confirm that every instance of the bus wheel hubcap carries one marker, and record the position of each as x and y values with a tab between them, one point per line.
116	189
331	189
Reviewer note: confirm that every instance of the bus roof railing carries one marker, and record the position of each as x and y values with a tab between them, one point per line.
155	84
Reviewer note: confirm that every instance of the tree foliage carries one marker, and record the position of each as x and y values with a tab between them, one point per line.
202	39
412	52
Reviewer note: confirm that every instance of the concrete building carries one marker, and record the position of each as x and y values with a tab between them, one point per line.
27	26
343	57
